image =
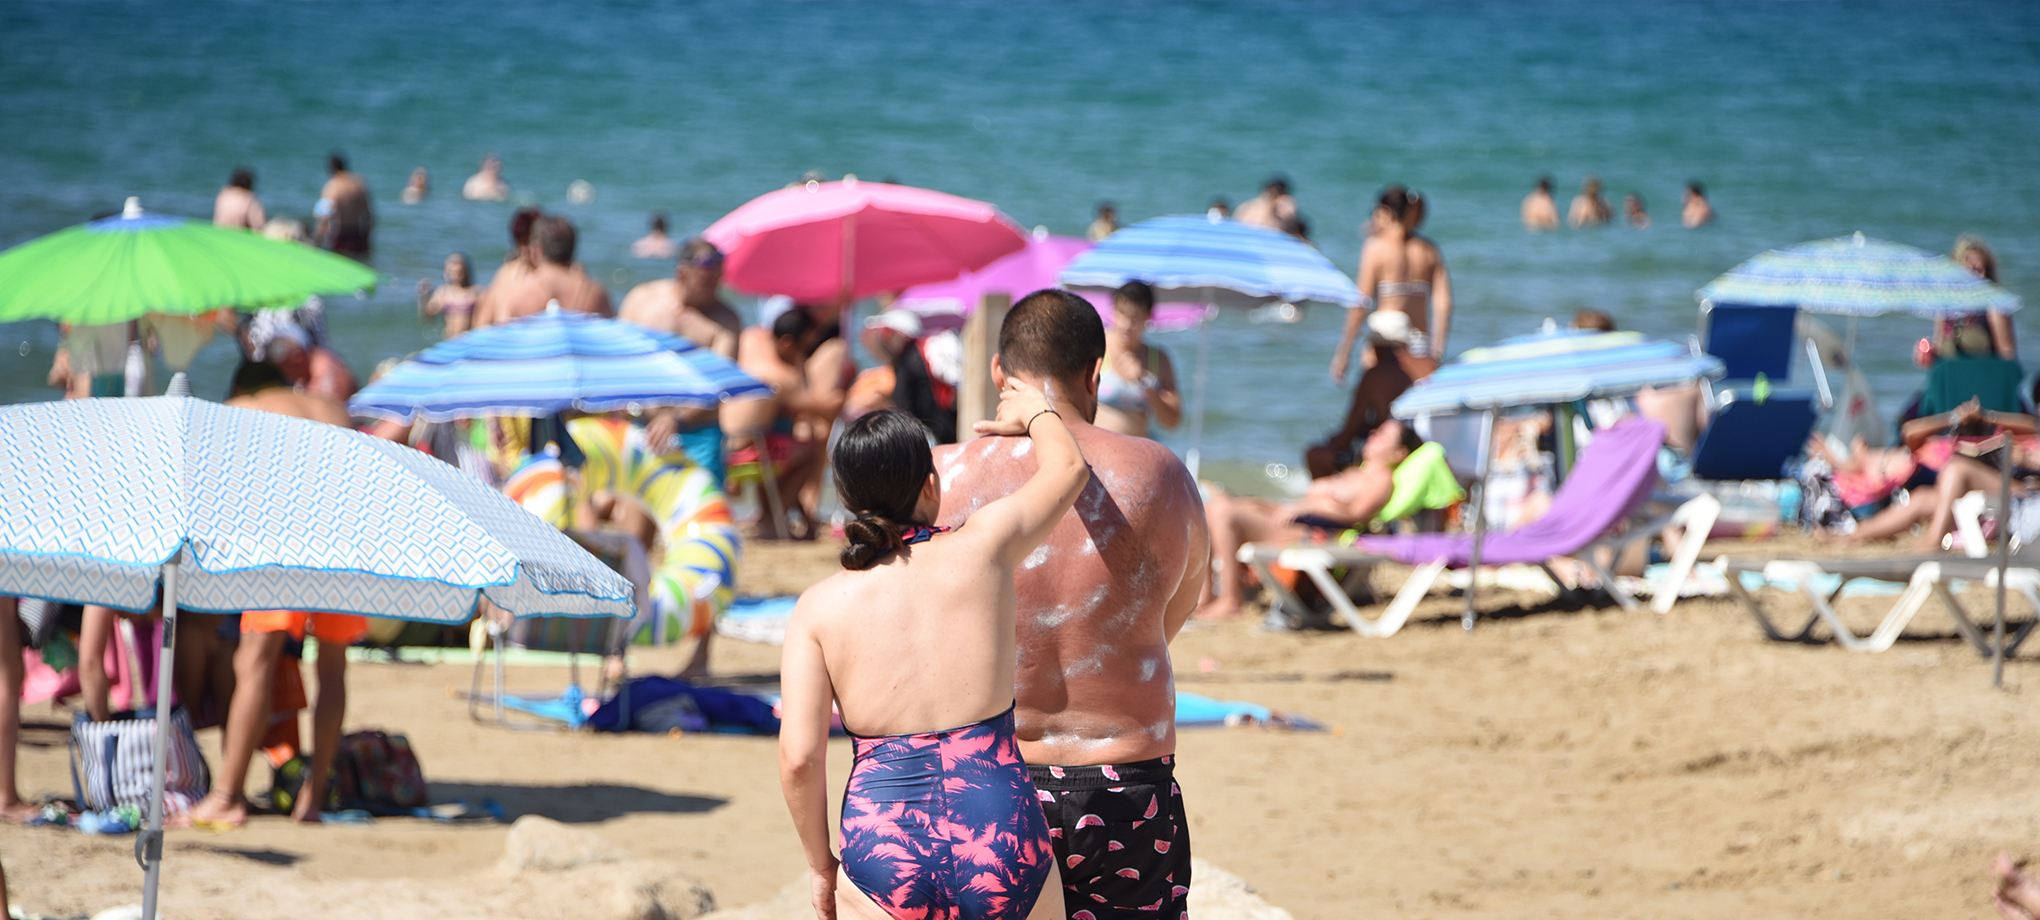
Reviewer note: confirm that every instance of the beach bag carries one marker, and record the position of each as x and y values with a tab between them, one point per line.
113	762
377	773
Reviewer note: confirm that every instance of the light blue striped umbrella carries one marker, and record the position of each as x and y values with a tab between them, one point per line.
231	510
1200	259
1859	276
551	362
1555	367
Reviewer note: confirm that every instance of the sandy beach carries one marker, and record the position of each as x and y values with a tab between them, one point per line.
1550	764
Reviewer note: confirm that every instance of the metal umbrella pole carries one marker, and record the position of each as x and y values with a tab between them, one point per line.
149	843
1997	631
1192	456
1479	500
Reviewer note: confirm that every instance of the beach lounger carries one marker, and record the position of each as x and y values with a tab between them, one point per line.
1925	577
1611	483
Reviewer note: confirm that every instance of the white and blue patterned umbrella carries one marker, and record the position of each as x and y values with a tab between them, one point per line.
231	509
1200	259
551	362
1859	276
256	510
1554	367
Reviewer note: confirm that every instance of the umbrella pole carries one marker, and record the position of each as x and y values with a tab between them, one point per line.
1195	454
1997	630
149	844
1479	499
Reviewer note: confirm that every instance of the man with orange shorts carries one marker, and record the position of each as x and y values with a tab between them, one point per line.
263	636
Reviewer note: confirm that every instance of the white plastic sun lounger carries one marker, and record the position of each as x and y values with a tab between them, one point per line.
1925	577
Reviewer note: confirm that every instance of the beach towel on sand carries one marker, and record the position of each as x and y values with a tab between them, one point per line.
662	703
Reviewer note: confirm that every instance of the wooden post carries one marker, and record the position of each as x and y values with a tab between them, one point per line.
976	399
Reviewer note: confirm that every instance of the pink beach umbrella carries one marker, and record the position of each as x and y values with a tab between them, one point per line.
946	304
836	242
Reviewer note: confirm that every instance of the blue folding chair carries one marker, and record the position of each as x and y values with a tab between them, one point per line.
1754	430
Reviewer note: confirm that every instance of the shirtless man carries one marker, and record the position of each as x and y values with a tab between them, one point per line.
237	207
555	277
1694	210
1274	208
262	387
689	304
782	357
655	244
1351	497
345	218
1098	604
1540	210
487	183
1589	208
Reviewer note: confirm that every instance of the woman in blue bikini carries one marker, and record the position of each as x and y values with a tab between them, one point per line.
916	636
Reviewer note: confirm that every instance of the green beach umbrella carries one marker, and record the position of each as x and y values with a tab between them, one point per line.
123	268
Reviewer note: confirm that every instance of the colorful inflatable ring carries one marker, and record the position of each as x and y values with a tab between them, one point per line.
695	579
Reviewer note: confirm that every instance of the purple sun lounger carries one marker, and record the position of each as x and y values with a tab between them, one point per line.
1609	486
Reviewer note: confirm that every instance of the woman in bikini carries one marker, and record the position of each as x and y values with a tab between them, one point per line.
918	634
1138	382
454	300
1400	272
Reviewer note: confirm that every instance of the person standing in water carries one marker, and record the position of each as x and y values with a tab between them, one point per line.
344	216
655	244
1401	271
1589	208
1694	209
1540	210
236	206
1138	383
1099	603
1105	224
1274	208
487	183
916	636
1633	212
454	300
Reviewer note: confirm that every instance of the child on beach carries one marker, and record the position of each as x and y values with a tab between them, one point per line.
454	299
917	635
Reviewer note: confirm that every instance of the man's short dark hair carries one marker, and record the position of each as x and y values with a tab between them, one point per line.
1278	183
336	162
1139	293
254	377
1544	183
659	221
1696	188
555	239
1052	333
793	324
243	177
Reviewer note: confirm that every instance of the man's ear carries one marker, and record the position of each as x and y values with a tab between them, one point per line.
1091	381
998	374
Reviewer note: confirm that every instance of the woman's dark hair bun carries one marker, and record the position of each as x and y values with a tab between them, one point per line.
871	539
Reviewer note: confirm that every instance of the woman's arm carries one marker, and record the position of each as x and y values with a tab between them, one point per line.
1441	305
2002	334
1370	279
1163	397
805	692
1020	521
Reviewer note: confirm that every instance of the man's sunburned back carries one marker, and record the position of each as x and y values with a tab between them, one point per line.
529	292
1102	597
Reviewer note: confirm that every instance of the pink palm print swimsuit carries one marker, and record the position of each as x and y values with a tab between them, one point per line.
945	825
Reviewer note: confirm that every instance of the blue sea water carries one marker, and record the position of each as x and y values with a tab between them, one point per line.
1913	122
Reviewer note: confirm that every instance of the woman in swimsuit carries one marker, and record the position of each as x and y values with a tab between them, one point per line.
918	635
454	300
1138	382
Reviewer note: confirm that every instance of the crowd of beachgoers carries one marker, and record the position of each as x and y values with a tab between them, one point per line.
998	642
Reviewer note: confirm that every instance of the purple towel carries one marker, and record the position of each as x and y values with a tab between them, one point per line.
1613	479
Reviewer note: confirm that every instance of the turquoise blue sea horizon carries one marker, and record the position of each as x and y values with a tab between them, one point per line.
1910	122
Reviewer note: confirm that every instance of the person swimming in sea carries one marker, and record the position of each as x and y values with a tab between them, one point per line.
916	635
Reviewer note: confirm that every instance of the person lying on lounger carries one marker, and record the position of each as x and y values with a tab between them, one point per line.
1354	497
1935	449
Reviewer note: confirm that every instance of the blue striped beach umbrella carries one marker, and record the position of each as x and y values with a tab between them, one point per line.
231	510
1202	259
1859	276
1555	367
552	362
